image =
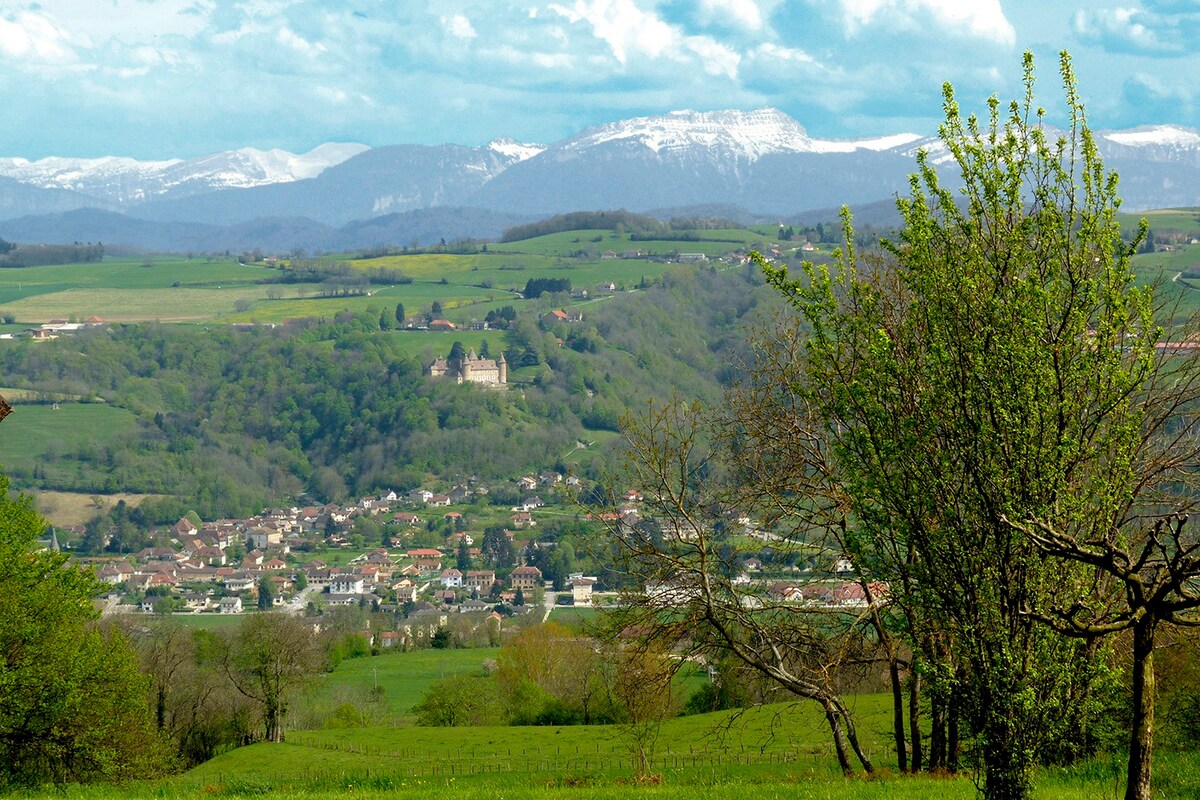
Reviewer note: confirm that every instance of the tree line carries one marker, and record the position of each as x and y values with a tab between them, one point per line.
580	221
38	255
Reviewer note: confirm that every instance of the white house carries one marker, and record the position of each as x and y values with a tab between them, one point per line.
230	605
346	584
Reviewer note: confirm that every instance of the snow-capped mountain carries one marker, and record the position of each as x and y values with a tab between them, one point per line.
1162	144
124	181
513	150
762	161
746	135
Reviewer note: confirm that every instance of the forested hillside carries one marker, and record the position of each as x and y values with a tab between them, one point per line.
229	420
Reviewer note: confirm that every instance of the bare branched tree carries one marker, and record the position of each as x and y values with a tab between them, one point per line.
684	562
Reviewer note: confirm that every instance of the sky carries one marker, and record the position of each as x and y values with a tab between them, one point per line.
156	79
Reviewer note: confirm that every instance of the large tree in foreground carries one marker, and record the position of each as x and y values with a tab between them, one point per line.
72	702
1013	439
267	658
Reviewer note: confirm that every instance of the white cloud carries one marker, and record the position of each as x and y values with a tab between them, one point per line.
774	51
94	22
332	94
630	31
623	26
459	27
716	58
34	37
1155	29
236	34
978	18
513	55
743	13
290	38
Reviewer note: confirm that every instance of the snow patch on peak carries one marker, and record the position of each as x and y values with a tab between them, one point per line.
251	167
878	144
1155	135
517	151
119	179
742	134
745	134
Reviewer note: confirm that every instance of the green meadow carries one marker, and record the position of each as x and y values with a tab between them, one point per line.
709	242
770	752
166	287
403	677
33	431
181	289
775	751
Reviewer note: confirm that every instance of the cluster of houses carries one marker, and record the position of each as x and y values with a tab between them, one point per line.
205	570
55	328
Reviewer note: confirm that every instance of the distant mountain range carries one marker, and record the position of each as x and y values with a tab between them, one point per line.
343	196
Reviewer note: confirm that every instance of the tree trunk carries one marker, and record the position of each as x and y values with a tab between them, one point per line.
898	717
914	719
1005	765
937	731
1141	738
160	708
847	722
274	723
839	737
952	733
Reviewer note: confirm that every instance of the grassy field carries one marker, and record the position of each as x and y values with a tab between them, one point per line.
774	751
32	431
404	677
794	734
778	751
438	343
580	618
711	243
75	508
178	289
168	288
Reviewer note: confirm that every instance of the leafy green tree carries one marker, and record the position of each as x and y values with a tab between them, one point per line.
463	559
457	352
497	548
268	657
1005	429
399	313
266	593
73	703
458	700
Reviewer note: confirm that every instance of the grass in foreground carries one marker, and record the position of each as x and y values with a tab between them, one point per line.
1176	776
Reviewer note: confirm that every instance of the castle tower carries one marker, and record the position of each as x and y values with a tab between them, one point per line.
500	362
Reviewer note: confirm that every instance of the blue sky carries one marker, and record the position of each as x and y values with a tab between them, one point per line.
182	78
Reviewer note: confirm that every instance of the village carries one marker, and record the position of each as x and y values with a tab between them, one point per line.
430	568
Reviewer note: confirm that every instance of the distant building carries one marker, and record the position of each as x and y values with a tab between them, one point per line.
472	369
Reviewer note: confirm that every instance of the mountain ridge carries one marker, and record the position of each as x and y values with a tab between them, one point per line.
761	160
